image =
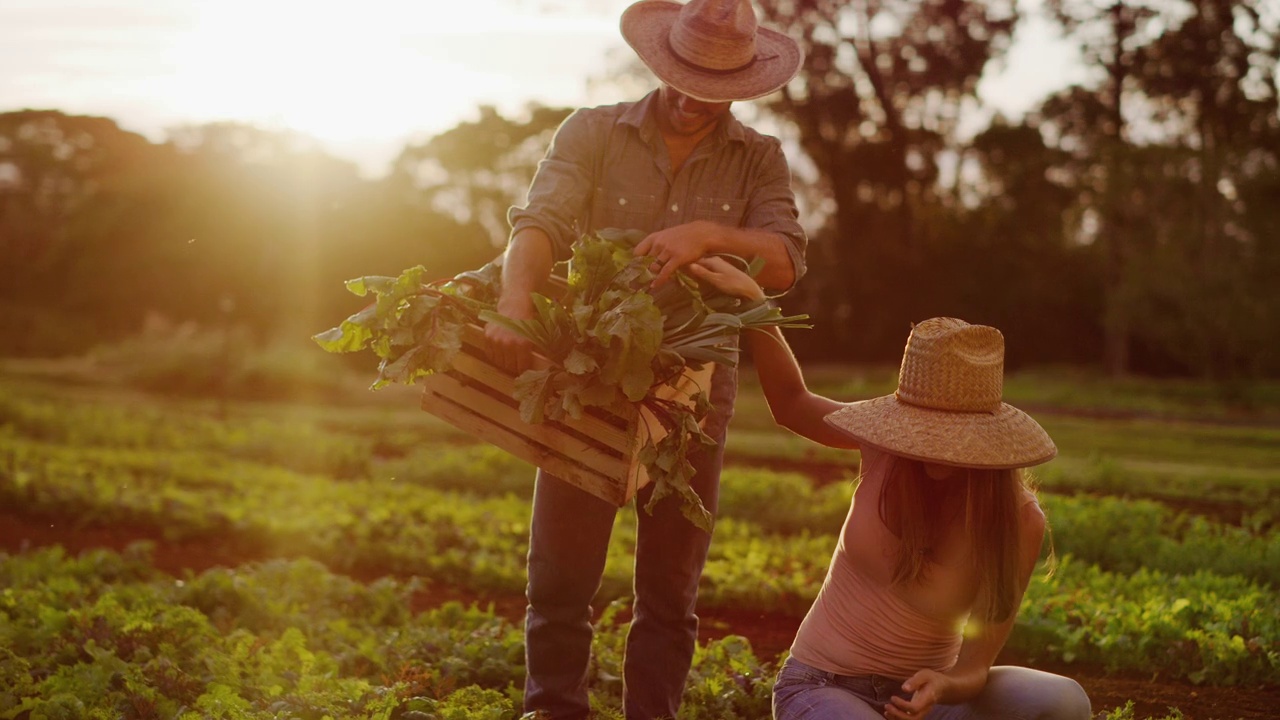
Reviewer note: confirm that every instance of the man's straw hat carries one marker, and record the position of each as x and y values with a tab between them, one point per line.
948	406
711	50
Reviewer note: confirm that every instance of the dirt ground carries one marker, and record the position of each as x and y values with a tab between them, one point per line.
769	633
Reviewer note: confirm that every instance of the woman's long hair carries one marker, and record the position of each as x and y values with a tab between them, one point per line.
919	508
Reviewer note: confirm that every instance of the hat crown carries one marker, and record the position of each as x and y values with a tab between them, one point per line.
718	35
951	365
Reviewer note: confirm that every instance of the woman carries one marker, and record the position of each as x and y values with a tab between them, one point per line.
939	544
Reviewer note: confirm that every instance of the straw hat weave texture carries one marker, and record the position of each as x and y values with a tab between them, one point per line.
711	50
948	407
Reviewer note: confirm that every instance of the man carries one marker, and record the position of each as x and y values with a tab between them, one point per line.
679	166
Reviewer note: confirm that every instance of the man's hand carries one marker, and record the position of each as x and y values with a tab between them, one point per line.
509	351
926	688
676	247
526	263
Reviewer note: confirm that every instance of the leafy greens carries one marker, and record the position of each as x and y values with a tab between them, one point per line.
610	339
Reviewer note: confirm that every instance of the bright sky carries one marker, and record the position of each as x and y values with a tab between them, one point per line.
363	78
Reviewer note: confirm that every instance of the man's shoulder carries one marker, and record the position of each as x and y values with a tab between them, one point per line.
606	113
753	137
596	120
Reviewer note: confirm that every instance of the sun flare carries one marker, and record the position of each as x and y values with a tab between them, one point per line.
339	73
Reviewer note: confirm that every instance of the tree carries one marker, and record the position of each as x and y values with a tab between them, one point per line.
1213	81
1111	34
277	225
1186	112
57	172
1007	251
54	166
478	169
226	224
877	100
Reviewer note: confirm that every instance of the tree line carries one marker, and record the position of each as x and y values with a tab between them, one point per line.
1130	223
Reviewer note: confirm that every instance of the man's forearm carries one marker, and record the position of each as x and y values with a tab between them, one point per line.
525	267
779	273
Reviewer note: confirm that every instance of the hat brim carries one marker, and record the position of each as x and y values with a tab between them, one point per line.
1007	438
646	26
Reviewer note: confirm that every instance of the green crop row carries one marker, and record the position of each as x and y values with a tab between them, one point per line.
105	636
389	521
373	490
479	542
1203	627
359	525
1128	535
1230	471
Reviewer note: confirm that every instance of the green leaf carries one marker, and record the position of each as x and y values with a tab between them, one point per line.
403	370
532	389
591	269
558	327
632	332
627	238
370	283
352	335
579	362
443	344
611	339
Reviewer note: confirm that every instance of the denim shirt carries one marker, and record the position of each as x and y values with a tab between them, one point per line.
607	167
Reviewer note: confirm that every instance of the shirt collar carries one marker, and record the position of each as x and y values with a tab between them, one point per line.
640	116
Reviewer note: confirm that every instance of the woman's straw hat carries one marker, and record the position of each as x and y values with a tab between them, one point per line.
711	50
948	406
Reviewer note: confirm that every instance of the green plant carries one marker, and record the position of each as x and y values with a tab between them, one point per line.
610	340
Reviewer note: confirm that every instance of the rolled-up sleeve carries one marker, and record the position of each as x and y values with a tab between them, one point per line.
560	194
772	205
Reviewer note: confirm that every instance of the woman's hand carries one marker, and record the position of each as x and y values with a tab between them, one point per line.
723	276
926	687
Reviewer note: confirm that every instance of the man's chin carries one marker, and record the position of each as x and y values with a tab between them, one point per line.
692	127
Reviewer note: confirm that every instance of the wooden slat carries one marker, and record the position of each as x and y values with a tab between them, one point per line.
500	414
601	431
601	458
464	419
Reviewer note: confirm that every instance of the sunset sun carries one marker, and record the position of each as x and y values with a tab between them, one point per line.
330	74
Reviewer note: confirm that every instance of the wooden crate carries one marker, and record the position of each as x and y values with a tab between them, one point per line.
596	452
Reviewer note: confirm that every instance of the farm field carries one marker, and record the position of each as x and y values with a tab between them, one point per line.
358	558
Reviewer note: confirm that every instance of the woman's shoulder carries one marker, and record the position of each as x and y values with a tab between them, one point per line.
1032	517
870	457
1029	497
871	464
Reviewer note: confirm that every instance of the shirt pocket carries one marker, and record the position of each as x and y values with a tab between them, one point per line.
720	210
623	210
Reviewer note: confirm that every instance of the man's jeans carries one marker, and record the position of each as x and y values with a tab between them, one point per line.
803	692
568	541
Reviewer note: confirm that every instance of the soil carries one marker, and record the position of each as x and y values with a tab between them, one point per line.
769	633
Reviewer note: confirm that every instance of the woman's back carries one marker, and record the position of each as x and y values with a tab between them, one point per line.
862	622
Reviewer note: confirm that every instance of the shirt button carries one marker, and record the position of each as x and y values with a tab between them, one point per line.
675	208
725	207
622	201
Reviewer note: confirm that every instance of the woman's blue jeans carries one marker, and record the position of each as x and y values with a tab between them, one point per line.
802	692
569	537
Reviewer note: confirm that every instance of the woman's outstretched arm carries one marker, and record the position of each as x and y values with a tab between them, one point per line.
793	405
